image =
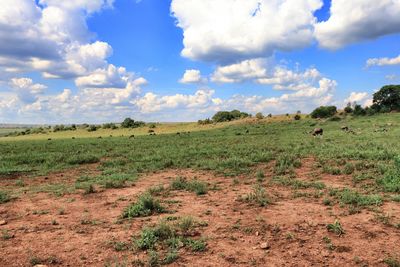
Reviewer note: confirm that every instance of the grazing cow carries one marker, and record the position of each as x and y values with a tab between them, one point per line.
318	132
132	136
49	139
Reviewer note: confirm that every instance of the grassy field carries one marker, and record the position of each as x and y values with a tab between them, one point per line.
275	153
231	150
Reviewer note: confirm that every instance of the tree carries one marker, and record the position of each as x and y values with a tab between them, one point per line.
348	109
222	116
324	112
259	116
129	123
387	99
359	111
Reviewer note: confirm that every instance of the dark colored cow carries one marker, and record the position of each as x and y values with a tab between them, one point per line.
318	132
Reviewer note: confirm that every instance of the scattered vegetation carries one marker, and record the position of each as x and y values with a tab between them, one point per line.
146	205
166	239
181	183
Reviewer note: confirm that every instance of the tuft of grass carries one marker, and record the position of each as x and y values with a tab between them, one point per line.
4	197
348	168
120	246
390	182
286	164
19	183
258	196
89	189
336	228
197	245
392	261
168	237
171	257
153	259
186	224
5	235
181	183
146	205
396	198
351	197
156	190
260	176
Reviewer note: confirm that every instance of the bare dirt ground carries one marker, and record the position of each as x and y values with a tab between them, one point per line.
79	230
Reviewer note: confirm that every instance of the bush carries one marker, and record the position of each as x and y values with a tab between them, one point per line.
324	112
223	116
259	116
204	122
129	123
110	126
348	109
92	128
297	117
359	111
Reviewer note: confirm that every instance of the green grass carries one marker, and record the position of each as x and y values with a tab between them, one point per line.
167	238
351	197
336	228
181	183
4	197
392	261
257	196
215	148
146	205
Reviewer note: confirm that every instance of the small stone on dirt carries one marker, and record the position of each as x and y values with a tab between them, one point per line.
3	222
265	245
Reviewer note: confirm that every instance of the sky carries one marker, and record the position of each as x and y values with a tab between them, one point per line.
96	61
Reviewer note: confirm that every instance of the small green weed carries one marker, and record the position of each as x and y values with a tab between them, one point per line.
336	228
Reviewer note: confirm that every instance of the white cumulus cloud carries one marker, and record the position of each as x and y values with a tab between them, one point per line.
384	61
26	90
192	76
226	31
358	20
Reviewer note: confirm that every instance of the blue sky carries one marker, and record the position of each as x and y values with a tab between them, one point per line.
182	60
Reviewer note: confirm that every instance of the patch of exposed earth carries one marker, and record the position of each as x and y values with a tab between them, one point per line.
78	230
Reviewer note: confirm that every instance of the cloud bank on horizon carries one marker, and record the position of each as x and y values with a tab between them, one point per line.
235	43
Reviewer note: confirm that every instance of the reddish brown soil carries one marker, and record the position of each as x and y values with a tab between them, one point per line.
53	228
